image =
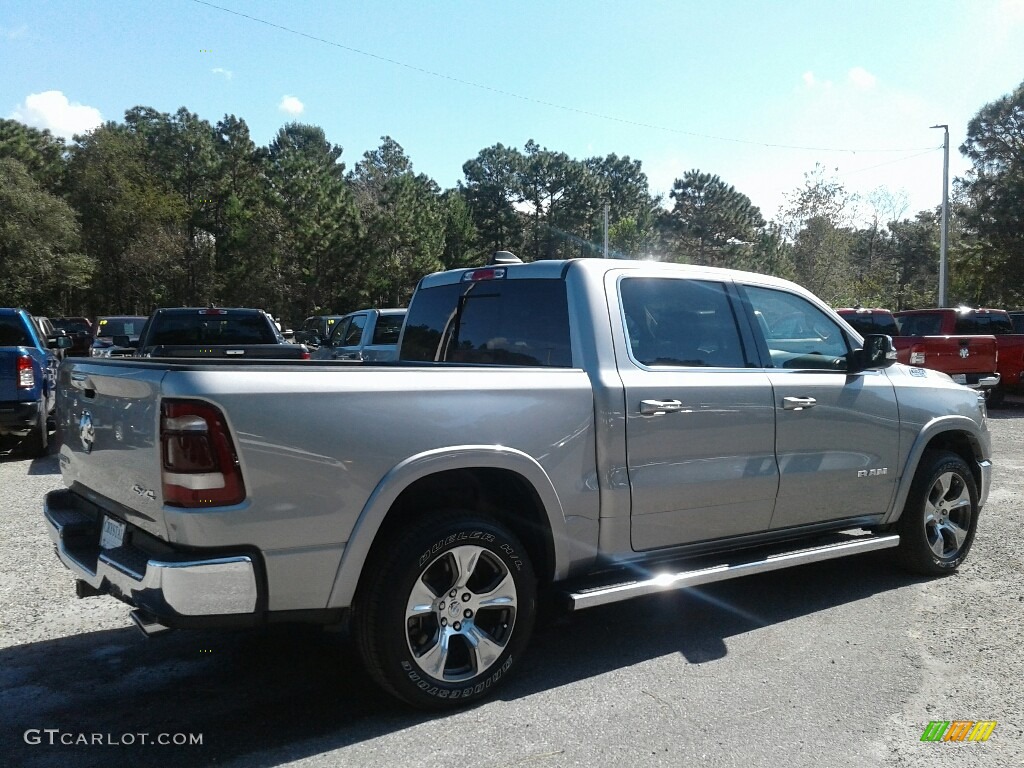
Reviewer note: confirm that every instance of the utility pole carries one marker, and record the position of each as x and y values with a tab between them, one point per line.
944	232
606	229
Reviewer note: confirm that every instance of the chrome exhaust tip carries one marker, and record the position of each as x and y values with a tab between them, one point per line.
147	624
85	589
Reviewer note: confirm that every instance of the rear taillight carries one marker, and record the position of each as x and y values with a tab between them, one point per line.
26	373
199	463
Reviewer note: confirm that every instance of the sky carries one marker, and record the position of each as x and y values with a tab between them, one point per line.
757	93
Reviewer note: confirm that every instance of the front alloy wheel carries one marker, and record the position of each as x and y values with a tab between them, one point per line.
940	517
948	515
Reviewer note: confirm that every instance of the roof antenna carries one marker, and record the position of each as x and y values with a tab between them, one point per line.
505	257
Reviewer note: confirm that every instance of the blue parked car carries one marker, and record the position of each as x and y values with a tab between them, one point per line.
28	379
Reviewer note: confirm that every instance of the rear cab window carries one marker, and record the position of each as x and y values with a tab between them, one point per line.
521	322
924	324
215	327
982	324
867	322
14	333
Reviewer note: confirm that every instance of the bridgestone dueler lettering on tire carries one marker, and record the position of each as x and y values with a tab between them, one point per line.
443	614
941	515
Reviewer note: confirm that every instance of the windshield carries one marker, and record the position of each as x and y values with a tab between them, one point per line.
72	325
120	326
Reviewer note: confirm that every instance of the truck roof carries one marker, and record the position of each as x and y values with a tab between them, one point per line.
557	269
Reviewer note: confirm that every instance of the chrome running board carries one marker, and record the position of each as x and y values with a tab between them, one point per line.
758	563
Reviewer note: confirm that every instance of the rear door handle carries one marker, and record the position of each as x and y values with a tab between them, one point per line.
654	407
798	403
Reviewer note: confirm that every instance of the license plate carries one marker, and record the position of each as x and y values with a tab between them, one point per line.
113	534
960	378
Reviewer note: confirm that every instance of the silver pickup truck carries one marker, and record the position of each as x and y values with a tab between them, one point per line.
588	430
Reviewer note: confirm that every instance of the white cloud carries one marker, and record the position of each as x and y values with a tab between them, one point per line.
15	32
861	79
812	83
291	105
227	73
53	111
1010	11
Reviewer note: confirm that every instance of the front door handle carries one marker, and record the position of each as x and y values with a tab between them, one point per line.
654	407
798	403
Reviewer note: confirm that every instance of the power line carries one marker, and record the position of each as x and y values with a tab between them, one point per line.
542	102
891	162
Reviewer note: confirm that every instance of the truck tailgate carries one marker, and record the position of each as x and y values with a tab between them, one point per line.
236	351
949	354
108	415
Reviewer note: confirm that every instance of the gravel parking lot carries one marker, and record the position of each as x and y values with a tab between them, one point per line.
841	663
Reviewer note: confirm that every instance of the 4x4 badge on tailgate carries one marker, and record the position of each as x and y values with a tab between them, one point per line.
86	431
151	495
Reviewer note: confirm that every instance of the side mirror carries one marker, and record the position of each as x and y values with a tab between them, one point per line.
60	342
122	341
877	353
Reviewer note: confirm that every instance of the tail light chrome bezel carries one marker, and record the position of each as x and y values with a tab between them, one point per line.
25	372
199	465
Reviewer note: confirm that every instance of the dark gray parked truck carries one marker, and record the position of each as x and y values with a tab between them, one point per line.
212	332
585	430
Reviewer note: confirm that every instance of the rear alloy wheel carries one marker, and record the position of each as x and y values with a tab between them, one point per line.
444	613
940	518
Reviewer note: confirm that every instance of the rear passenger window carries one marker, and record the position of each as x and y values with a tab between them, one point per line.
497	322
798	334
675	322
388	329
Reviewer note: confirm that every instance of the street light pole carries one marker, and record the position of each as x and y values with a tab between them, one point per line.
944	232
606	229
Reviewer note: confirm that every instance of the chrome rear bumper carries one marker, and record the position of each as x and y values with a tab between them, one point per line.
171	586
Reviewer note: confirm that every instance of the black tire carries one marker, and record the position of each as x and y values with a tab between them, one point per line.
940	518
443	613
994	397
37	442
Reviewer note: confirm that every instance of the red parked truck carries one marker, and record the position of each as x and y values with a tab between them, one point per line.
967	358
974	323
